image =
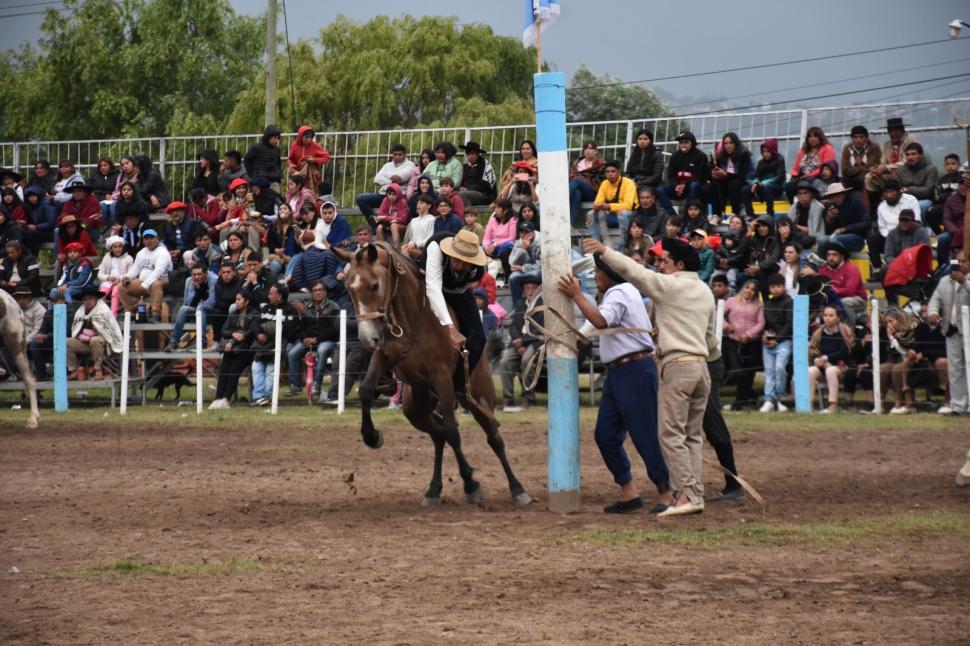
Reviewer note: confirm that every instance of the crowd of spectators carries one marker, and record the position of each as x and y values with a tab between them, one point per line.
255	233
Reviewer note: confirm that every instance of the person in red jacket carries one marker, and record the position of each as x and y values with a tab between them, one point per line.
808	162
70	230
84	206
307	157
846	278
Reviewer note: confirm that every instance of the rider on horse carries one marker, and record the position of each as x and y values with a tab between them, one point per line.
454	265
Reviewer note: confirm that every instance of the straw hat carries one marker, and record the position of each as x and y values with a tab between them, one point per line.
465	247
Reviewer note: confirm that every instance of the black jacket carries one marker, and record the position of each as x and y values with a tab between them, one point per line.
248	324
764	252
267	325
518	322
136	206
27	266
209	184
693	162
226	294
853	216
323	323
103	185
257	292
150	182
771	169
778	316
654	221
262	159
646	166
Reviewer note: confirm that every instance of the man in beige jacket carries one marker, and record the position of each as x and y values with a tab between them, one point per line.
684	308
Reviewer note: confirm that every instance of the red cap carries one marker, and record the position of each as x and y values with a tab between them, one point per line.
175	206
236	183
74	246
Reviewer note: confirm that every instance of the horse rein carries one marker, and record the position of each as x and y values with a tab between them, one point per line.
386	313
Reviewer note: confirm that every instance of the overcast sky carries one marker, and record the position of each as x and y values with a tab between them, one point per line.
644	39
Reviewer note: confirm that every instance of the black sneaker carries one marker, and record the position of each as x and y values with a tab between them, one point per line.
737	493
625	506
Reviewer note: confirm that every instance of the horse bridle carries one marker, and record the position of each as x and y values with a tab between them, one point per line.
387	312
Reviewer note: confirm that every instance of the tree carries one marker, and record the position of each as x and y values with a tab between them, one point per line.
134	68
602	98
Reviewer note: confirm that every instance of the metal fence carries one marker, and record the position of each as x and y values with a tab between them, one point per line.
357	156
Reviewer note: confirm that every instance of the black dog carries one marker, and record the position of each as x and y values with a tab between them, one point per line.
171	378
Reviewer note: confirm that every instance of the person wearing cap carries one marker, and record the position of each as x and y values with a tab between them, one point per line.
76	275
524	343
950	296
263	158
615	201
684	311
846	218
453	266
19	269
907	234
586	175
806	211
859	157
180	232
85	207
845	279
688	173
478	179
917	176
94	333
629	402
893	155
525	259
887	217
147	276
112	270
698	240
397	171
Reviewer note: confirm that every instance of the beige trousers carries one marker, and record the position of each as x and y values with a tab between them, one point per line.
684	387
94	349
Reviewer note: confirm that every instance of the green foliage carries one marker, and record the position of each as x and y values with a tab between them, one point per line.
129	68
601	103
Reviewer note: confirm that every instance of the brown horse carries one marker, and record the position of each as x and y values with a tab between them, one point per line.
13	335
394	319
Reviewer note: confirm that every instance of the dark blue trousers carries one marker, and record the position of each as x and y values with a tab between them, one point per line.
629	405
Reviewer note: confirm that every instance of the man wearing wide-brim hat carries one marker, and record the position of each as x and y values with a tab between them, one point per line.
84	206
478	179
893	155
684	310
846	217
94	333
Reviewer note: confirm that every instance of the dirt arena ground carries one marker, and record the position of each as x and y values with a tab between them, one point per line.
166	529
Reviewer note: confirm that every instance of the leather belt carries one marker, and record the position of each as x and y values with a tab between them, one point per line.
689	357
629	358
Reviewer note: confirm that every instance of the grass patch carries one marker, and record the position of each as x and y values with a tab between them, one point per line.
893	526
285	448
129	566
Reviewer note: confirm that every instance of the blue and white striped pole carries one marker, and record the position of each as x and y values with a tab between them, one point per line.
562	371
60	357
803	398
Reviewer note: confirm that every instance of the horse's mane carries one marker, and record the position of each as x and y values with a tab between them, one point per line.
395	256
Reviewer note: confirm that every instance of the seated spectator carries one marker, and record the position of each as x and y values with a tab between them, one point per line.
309	266
129	203
477	186
858	375
808	162
859	157
776	343
425	158
420	228
180	232
446	190
12	206
264	343
693	218
646	164
19	269
256	280
494	343
732	174
70	230
893	156
66	175
263	158
652	217
950	296
231	170
744	321
445	217
887	217
332	229
721	288
846	279
807	212
112	270
445	164
918	177
614	203
205	209
425	187
906	234
759	254
34	315
203	254
526	155
846	218
501	233
687	173
226	289
790	267
472	224
307	218
241	217
828	175
282	242
931	368
207	172
306	158
94	333
829	352
238	333
398	171
698	240
10	229
151	185
393	215
768	183
525	342
10	178
199	296
40	218
319	333
42	176
85	207
954	218
902	356
586	174
525	259
788	233
129	173
104	183
636	244
948	183
41	349
530	213
266	201
148	276
522	190
673	227
297	192
131	232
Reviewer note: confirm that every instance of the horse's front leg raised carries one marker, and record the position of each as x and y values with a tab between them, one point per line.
368	393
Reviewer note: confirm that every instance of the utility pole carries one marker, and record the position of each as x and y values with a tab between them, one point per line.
270	62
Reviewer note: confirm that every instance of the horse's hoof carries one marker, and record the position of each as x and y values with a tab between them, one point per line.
32	422
429	501
374	440
522	500
475	497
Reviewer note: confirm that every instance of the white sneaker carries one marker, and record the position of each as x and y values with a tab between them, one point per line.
219	404
682	509
944	410
825	411
963	475
900	410
782	408
767	407
512	409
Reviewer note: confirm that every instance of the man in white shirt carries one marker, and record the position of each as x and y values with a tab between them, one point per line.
397	171
887	217
952	293
148	276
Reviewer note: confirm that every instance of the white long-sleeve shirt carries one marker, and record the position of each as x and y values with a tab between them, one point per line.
887	217
419	230
151	265
433	271
404	170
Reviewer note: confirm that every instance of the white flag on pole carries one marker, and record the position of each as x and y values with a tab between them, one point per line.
547	12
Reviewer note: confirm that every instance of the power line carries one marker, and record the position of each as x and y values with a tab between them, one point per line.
33	13
33	4
767	65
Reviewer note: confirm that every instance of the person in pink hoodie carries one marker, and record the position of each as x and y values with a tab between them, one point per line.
393	215
501	233
808	162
